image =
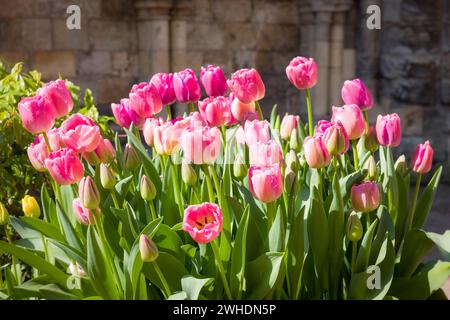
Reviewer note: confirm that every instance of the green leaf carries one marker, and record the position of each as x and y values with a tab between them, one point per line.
71	235
362	260
296	252
193	286
43	227
238	257
426	200
403	198
277	233
416	246
442	241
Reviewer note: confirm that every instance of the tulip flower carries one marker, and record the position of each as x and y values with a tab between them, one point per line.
302	72
130	157
240	109
265	153
290	179
316	153
145	99
372	170
148	249
203	222
30	207
213	80
164	83
400	165
107	178
215	111
37	153
84	215
365	197
147	188
292	160
356	92
37	114
58	94
247	85
423	158
335	139
322	126
239	168
256	131
288	124
4	215
201	145
370	141
104	153
149	128
64	166
88	193
80	133
185	84
55	139
351	118
265	182
166	138
125	115
76	270
188	174
389	132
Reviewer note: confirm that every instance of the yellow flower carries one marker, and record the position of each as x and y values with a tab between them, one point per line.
4	216
30	207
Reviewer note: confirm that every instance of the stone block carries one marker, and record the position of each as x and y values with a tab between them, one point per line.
390	11
116	8
202	9
109	35
65	39
11	35
94	63
195	59
275	12
418	91
278	38
445	91
217	57
54	63
12	57
36	34
88	8
240	36
113	89
411	118
231	10
203	36
124	64
419	12
446	36
243	59
17	9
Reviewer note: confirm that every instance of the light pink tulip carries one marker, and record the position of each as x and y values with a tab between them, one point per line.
166	138
145	99
164	83
84	215
196	120
288	124
302	72
335	139
322	126
215	110
213	81
203	222
265	182
389	131
423	158
104	153
58	94
37	114
365	196
256	131
265	154
247	85
201	145
185	84
149	128
64	166
37	153
80	133
55	140
351	118
239	109
125	115
316	154
356	92
240	135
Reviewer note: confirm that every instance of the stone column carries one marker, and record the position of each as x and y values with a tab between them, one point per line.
153	28
178	35
336	58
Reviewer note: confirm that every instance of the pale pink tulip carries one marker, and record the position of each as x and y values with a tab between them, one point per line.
316	154
265	182
389	130
203	222
215	110
201	145
351	118
145	99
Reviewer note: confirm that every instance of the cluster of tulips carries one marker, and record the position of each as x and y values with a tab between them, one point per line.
273	208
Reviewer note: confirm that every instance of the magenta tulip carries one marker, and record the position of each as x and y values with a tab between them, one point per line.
125	115
37	153
215	110
164	83
389	131
265	182
302	72
351	118
185	84
58	94
213	81
203	222
145	99
64	166
37	114
356	92
247	85
423	158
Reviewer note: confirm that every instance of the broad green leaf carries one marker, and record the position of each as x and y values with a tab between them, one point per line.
442	241
71	235
45	228
362	259
415	248
277	233
296	253
193	286
426	200
238	257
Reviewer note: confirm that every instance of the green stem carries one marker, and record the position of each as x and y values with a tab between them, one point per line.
1	278
114	198
191	107
47	143
310	114
366	118
354	252
224	137
413	208
355	154
138	134
176	189
258	109
208	183
14	262
44	243
152	210
169	112
215	248
163	279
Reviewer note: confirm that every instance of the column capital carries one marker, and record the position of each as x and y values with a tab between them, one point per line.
153	9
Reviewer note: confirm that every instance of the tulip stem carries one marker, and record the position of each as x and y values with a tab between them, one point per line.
152	210
162	279
355	154
191	107
366	118
1	278
208	183
258	109
47	143
310	115
114	198
176	188
215	248
354	252
169	112
14	262
44	243
413	208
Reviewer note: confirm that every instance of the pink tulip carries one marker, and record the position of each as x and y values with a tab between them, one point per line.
389	131
125	115
356	92
58	94
64	166
247	85
240	109
365	196
55	140
265	154
37	114
164	83
215	110
423	158
240	135
335	139
213	81
104	153
166	138
256	131
322	126
80	133
149	128
351	118
302	72
84	215
37	153
288	124
145	99
265	182
203	222
185	84
316	153
201	145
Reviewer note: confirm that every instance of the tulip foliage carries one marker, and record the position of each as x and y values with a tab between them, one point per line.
221	204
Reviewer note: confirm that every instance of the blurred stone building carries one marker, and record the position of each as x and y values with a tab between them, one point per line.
406	63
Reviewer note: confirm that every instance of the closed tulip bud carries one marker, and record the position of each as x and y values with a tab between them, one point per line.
290	178
370	141
147	188
107	178
423	158
292	160
30	207
316	154
372	170
365	197
294	142
4	215
130	157
88	192
356	92
354	228
400	165
149	250
388	128
239	168
288	124
335	139
188	174
302	161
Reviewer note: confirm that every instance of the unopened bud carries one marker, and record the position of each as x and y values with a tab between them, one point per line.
372	170
188	174
107	178
354	227
30	207
290	179
88	193
149	250
4	215
147	188
130	157
400	165
370	140
294	142
239	168
292	160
